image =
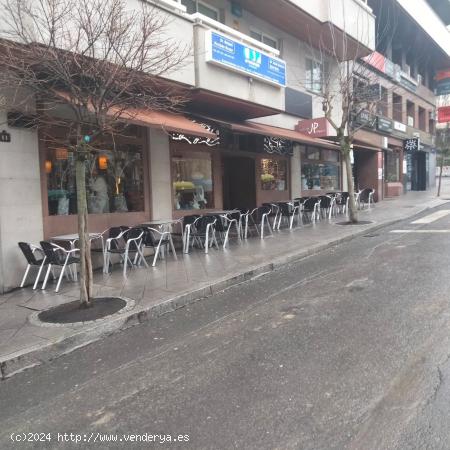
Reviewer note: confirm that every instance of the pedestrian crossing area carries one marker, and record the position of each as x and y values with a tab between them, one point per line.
427	220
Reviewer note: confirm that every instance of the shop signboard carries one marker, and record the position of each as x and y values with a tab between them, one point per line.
398	126
444	114
443	82
407	82
364	118
384	124
318	128
234	55
411	145
369	93
384	65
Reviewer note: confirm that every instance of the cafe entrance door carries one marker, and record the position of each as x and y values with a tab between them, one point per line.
239	186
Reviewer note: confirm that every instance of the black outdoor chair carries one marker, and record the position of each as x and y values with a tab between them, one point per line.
342	199
311	208
326	205
203	233
287	211
29	251
226	223
274	213
366	197
128	242
259	217
186	227
160	241
59	257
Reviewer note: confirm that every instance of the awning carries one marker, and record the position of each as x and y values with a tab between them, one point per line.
151	118
283	133
165	120
363	145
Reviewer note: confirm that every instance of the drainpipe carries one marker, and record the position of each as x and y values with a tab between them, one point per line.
197	26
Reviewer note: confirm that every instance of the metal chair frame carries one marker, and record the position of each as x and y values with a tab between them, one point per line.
52	260
32	262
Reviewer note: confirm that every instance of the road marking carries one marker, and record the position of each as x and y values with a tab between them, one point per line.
433	217
420	231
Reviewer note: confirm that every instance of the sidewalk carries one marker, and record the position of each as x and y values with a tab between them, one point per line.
173	284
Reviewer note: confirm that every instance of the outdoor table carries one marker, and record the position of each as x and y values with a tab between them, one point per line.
165	225
159	222
72	238
224	212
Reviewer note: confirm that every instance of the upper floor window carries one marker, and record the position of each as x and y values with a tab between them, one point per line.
314	75
264	38
194	6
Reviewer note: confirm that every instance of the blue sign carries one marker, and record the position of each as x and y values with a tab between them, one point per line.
239	57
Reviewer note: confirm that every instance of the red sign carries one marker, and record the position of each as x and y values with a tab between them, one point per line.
376	60
444	114
442	75
319	127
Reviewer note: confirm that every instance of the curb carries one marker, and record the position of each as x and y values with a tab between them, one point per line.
39	354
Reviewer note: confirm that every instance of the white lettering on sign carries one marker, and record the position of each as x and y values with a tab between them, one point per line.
313	128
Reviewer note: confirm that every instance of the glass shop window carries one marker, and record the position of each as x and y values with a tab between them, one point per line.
321	177
192	181
114	180
273	174
392	167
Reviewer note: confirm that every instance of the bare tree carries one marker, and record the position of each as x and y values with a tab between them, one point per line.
443	148
349	89
97	59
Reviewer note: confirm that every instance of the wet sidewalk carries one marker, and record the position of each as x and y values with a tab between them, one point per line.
175	283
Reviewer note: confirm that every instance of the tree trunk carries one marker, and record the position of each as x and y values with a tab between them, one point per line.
352	209
84	242
440	174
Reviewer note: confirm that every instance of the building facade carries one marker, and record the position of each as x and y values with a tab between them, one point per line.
252	77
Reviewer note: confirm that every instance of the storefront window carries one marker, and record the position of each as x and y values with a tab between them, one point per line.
392	167
313	153
114	180
192	181
322	174
273	175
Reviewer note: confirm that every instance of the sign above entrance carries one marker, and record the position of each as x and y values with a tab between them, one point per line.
236	56
384	124
411	145
194	140
278	145
317	128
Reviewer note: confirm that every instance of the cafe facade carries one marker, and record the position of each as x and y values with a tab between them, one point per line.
234	145
166	167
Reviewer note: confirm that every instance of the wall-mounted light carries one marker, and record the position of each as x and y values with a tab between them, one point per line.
102	162
48	166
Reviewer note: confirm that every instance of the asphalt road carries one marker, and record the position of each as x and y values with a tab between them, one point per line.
348	349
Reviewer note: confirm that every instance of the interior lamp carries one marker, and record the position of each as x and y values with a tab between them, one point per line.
103	162
48	166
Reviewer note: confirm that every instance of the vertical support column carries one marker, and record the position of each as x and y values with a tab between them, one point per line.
380	175
160	174
296	173
20	201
